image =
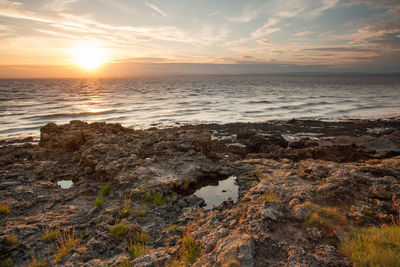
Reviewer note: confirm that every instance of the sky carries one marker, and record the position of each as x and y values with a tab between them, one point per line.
41	38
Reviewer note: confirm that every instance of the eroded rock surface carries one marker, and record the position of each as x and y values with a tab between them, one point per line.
280	167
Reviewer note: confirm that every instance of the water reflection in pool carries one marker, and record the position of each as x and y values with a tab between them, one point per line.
214	195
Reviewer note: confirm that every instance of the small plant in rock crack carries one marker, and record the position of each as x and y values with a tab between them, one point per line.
324	218
141	211
105	190
65	243
271	197
125	263
99	202
156	198
119	230
7	262
138	244
190	250
125	211
51	235
4	209
36	263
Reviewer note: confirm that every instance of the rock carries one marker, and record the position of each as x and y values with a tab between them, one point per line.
293	202
301	212
195	201
238	247
313	234
270	213
156	257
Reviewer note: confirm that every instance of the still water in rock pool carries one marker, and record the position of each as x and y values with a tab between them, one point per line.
65	184
214	195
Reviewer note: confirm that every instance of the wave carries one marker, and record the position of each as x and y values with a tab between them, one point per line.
67	115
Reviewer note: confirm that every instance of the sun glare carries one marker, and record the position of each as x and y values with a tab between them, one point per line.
89	58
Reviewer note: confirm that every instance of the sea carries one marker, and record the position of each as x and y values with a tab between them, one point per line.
140	103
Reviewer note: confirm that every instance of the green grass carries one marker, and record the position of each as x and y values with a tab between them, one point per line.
125	211
156	198
125	263
190	250
141	237
172	228
42	263
138	246
326	219
7	262
105	190
374	246
271	197
176	263
65	243
141	212
51	236
99	202
119	230
137	249
4	209
12	240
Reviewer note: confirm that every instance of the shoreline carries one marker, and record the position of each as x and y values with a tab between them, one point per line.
280	166
35	138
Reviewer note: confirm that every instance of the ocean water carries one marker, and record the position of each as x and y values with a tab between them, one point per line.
28	104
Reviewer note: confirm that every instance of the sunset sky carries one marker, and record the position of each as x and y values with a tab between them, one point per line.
47	37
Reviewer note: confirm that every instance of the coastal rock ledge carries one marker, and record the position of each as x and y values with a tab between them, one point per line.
131	202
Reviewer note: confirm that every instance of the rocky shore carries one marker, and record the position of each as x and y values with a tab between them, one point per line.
132	201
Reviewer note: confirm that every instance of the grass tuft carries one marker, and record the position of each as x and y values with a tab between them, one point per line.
125	211
190	250
105	190
374	246
141	211
125	263
65	243
7	262
172	229
137	249
176	263
35	263
271	197
12	240
4	209
156	198
51	236
138	246
99	202
119	230
324	218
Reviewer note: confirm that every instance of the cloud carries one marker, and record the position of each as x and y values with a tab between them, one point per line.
262	31
266	28
59	5
246	17
339	49
385	35
156	8
82	24
392	6
264	42
303	33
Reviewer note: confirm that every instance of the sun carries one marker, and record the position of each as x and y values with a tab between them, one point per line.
89	57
